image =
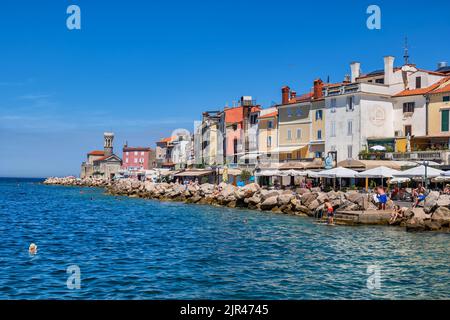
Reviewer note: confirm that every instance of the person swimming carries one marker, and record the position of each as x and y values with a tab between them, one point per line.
32	249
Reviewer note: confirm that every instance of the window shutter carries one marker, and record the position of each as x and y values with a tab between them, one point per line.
444	120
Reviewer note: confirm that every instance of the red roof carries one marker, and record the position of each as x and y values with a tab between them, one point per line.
304	97
170	139
444	86
421	91
269	115
236	115
136	149
97	153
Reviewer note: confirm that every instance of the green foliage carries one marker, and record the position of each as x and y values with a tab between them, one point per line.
245	175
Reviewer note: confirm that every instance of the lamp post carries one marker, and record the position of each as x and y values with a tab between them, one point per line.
426	164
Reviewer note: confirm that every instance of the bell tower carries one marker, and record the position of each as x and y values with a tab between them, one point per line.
108	145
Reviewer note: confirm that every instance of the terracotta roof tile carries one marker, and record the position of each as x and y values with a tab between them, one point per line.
96	153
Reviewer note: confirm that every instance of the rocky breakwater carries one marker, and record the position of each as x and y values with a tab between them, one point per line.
434	216
72	181
298	202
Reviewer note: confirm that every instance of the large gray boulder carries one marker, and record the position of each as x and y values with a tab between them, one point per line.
431	201
443	201
269	203
442	216
307	198
285	199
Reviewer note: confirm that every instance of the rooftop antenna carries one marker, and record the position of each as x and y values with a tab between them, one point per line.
406	56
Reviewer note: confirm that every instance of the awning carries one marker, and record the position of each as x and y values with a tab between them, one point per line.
271	173
293	165
194	173
289	149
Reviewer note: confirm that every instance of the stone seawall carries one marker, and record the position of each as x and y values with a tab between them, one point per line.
435	216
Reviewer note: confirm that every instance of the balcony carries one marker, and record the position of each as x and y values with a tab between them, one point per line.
441	156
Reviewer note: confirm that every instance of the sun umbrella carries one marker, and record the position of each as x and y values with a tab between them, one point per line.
338	172
378	148
379	172
420	172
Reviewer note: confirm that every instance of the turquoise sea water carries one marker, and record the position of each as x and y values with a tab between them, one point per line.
143	249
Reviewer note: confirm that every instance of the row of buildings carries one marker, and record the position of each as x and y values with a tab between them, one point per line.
394	113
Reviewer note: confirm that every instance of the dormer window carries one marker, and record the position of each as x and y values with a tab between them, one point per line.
289	112
418	82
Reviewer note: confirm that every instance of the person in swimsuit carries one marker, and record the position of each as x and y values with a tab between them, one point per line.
397	213
420	198
382	197
330	212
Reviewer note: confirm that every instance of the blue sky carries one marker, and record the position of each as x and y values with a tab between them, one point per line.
142	69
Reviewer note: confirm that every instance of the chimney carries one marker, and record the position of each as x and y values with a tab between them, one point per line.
318	89
293	94
388	70
285	95
355	68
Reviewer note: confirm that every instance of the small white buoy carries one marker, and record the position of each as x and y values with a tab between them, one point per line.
32	249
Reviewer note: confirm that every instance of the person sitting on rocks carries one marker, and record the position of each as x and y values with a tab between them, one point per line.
382	198
447	189
417	191
397	212
420	198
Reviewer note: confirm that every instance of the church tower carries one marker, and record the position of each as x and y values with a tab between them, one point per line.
108	146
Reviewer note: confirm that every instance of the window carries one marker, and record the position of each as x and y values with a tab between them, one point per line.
289	135
127	153
446	98
270	124
319	115
269	141
444	120
349	127
408	131
299	133
126	160
350	151
408	107
333	105
333	129
135	160
380	81
289	112
299	112
142	153
254	119
418	82
289	156
319	134
350	104
135	153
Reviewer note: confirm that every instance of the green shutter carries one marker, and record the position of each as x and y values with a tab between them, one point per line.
444	120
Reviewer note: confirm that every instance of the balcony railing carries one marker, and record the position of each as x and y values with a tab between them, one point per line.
439	156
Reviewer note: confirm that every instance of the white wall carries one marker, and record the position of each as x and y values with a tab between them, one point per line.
417	120
341	139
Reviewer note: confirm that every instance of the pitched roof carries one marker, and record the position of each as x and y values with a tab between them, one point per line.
236	114
421	91
136	149
107	157
169	139
444	86
269	115
97	153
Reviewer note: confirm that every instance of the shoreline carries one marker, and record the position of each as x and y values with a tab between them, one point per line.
351	208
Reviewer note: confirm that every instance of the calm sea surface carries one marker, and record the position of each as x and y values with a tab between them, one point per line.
142	249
